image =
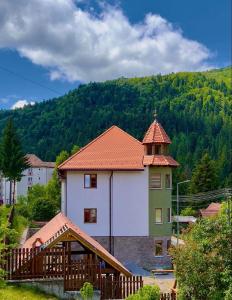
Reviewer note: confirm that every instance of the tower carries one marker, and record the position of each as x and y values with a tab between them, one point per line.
160	164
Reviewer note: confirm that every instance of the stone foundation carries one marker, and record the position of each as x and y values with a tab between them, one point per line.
138	249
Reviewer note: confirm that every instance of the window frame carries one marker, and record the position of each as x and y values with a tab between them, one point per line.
161	209
169	215
150	180
157	242
90	187
89	209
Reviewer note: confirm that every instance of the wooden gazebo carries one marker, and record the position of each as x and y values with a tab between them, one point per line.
60	249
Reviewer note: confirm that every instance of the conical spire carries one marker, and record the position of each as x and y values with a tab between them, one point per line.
156	133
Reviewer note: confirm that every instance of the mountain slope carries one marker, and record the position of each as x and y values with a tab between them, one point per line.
194	108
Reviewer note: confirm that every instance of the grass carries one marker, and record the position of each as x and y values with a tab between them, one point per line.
18	292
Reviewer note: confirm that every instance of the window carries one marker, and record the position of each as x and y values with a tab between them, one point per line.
90	215
158	216
155	181
29	180
149	149
169	215
90	181
158	248
29	171
158	149
168	181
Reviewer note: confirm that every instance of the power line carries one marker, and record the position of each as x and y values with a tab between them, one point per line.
29	80
217	194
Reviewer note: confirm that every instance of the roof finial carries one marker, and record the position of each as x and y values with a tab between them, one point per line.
155	115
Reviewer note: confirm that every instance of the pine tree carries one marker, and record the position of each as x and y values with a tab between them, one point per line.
12	159
205	176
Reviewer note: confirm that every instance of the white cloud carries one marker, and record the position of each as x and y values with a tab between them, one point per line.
21	104
77	45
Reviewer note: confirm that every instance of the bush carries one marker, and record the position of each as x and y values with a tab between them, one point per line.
87	291
228	294
43	209
148	292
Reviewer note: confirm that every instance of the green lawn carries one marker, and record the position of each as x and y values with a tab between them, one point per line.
23	293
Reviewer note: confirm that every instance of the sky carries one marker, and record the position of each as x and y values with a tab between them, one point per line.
48	47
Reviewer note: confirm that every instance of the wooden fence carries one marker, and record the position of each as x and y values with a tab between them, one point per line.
79	272
119	287
33	263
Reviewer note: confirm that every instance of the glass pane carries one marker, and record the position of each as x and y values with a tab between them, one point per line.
93	180
158	215
168	181
158	149
87	181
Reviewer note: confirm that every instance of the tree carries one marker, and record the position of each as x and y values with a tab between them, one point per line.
203	264
205	176
75	149
188	211
54	186
12	159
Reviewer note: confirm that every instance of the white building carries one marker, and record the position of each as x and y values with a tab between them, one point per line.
40	172
118	190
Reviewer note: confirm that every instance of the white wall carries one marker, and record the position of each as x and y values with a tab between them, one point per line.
79	198
129	198
130	205
38	175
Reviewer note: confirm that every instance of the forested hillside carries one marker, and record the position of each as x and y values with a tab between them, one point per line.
194	108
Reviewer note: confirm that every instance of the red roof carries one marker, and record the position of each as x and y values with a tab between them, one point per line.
113	150
60	224
159	160
35	162
212	210
156	134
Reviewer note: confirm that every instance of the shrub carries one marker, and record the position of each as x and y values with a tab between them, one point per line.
148	292
87	291
228	294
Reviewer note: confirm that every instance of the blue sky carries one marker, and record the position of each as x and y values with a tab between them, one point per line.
47	47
